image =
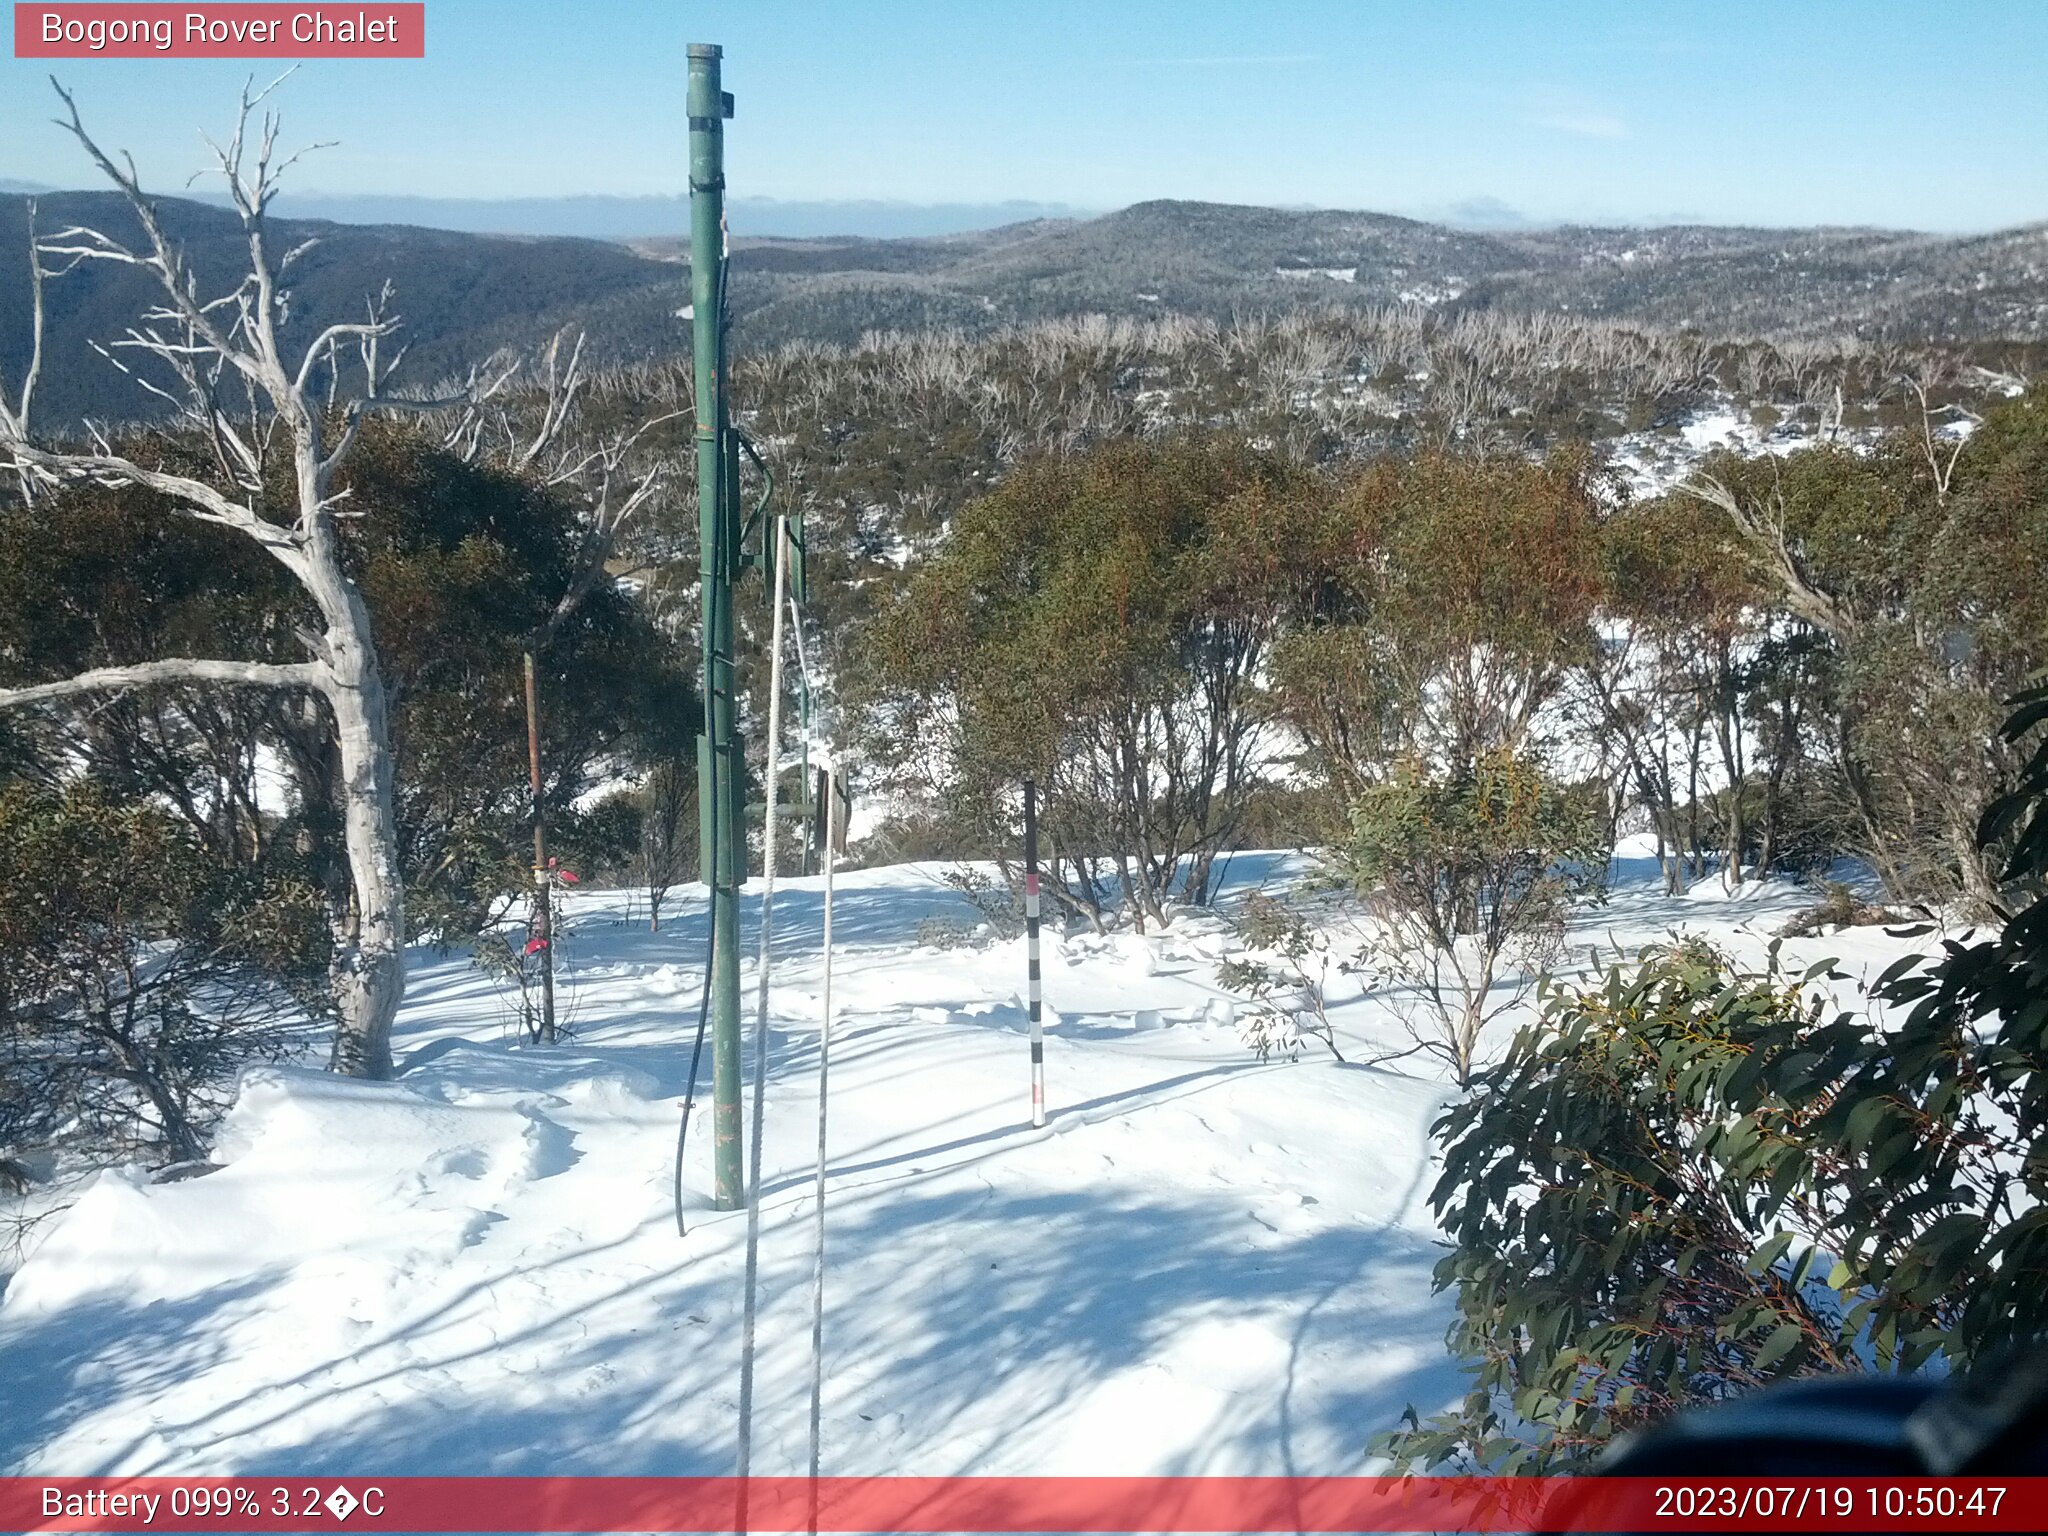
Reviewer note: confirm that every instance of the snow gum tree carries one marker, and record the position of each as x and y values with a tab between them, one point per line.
218	362
1662	695
1448	596
1101	622
1919	567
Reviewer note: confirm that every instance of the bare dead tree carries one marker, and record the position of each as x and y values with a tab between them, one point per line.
14	417
219	365
1920	382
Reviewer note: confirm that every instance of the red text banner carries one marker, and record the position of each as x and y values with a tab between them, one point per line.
1021	1504
149	31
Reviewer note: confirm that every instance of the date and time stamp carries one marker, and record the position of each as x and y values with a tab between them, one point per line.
1827	1502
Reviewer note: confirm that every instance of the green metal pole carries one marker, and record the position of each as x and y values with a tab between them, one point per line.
719	765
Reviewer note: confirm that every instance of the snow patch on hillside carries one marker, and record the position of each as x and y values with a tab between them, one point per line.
1652	463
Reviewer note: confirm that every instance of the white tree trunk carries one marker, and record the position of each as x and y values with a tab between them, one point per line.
368	969
369	965
235	336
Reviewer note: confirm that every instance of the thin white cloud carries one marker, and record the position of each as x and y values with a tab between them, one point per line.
1226	61
1589	125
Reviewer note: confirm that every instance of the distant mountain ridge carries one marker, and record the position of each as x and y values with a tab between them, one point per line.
460	295
600	216
1220	259
463	294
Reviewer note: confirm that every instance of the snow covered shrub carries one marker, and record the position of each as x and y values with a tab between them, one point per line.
1286	978
948	933
139	974
1839	907
1469	877
999	904
1690	1179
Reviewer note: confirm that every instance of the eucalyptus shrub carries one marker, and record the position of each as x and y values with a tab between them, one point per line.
138	974
1470	876
1688	1179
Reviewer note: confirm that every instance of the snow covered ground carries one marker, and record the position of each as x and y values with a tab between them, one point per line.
1204	1264
1654	463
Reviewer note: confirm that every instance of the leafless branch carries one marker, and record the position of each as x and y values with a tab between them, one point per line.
255	674
1763	526
193	498
14	419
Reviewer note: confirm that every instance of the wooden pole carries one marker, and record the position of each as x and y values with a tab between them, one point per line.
543	914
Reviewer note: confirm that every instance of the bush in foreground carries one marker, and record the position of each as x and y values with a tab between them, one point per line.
1691	1178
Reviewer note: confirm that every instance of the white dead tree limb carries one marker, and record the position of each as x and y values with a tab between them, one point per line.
1761	523
14	415
1941	451
219	364
153	674
528	418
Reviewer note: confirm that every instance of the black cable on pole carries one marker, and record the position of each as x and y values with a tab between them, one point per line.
696	1057
707	869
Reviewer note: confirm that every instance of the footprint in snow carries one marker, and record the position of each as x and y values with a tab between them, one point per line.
464	1162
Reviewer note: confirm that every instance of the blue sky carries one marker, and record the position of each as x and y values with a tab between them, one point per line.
1926	115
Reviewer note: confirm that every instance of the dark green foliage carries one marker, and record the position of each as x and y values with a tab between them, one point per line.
1469	875
1099	623
1623	1191
137	973
1689	1179
459	564
600	844
1949	1062
1495	836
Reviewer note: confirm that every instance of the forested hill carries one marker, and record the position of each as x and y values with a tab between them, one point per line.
1217	259
462	295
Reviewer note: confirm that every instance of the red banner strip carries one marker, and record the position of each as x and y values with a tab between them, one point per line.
320	31
1021	1504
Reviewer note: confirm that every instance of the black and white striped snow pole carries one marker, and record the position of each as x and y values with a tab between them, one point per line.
1031	952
